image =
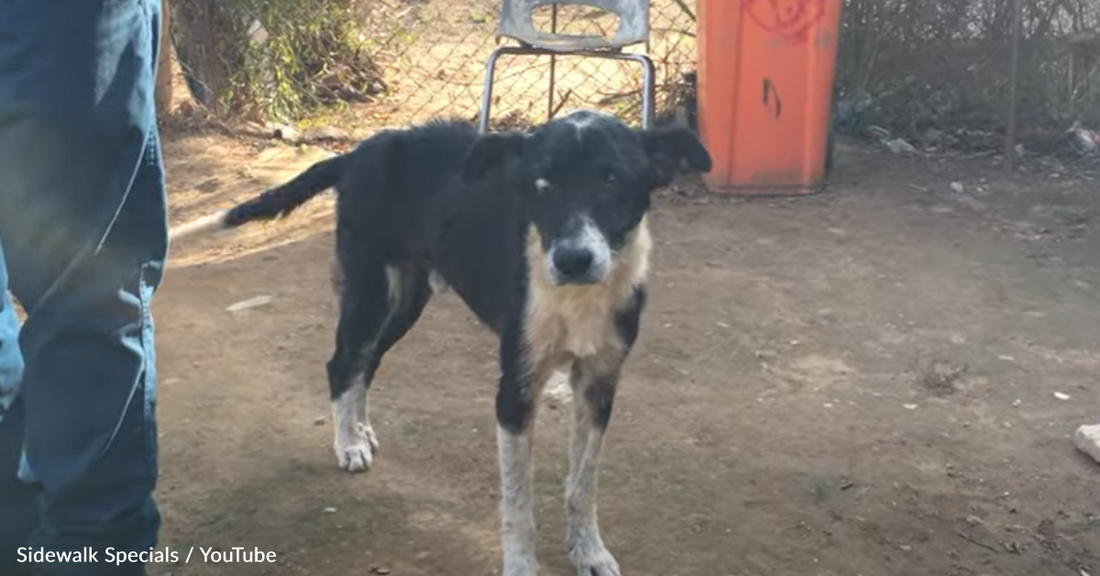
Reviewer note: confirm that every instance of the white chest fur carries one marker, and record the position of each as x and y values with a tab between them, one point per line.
579	321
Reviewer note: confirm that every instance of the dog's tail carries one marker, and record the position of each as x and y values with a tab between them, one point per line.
272	204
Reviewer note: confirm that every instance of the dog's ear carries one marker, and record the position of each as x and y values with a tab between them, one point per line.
490	151
670	148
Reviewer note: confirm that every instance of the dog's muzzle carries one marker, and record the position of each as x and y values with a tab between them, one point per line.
575	262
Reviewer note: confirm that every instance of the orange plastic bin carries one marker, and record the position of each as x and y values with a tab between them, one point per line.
765	83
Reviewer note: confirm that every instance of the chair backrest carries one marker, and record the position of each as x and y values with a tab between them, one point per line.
516	21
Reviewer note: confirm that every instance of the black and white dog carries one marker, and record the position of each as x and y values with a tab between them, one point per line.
543	234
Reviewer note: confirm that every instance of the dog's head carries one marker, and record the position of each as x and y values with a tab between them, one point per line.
585	180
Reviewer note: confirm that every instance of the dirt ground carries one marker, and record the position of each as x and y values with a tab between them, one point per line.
879	380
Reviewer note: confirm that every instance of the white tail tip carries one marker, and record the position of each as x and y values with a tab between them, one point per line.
206	224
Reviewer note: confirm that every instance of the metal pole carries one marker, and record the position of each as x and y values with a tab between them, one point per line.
487	91
553	61
1013	82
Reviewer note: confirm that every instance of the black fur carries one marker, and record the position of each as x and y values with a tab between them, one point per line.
629	319
514	401
601	396
285	199
440	197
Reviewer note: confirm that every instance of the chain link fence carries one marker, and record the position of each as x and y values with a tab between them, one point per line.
391	62
964	73
951	73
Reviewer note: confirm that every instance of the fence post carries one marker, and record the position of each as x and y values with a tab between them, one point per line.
1013	82
162	91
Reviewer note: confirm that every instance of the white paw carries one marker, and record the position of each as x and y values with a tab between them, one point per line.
592	559
356	454
520	566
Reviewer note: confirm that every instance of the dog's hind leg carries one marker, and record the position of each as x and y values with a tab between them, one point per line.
379	304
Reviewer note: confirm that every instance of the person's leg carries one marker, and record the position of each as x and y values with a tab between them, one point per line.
11	360
16	497
84	226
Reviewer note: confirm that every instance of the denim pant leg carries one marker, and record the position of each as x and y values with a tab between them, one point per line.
16	497
11	360
84	231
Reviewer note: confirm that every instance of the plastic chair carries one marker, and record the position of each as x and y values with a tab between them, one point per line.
516	22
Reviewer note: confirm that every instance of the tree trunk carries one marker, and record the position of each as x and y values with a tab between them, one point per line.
163	91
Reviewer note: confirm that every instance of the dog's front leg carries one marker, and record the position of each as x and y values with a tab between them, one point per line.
515	404
594	381
517	508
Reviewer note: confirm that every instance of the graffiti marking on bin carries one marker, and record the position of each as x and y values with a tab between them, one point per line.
791	19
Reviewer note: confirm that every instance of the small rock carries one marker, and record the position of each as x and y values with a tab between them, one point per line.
318	421
284	132
330	510
1061	396
899	146
933	136
379	570
877	133
910	406
322	133
1087	440
957	187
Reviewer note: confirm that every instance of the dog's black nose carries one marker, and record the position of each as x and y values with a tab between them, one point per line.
572	261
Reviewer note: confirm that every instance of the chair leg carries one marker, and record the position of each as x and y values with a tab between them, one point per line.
649	87
487	91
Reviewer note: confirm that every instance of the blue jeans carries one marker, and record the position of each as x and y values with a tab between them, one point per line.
83	242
